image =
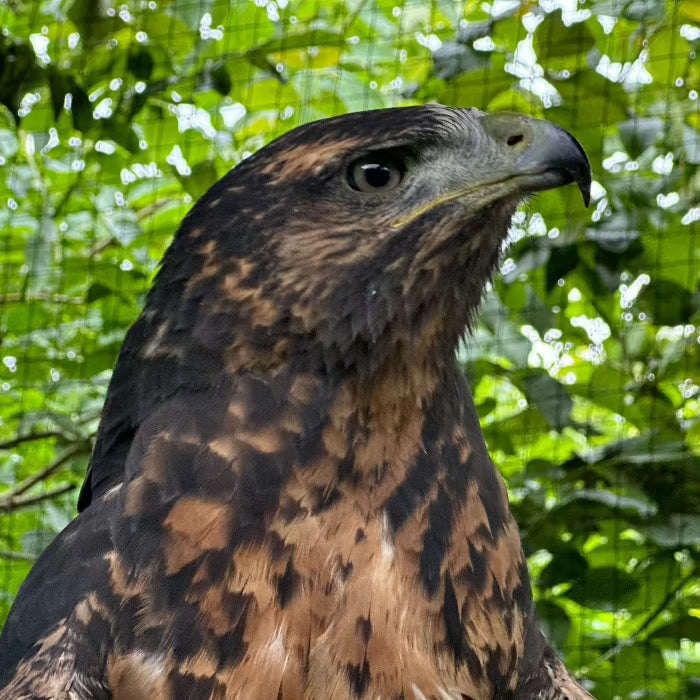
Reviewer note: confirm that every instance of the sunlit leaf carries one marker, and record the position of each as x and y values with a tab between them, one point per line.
553	38
550	397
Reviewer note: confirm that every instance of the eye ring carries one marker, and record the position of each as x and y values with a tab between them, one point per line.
375	173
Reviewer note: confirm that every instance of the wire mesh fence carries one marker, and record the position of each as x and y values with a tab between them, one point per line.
116	117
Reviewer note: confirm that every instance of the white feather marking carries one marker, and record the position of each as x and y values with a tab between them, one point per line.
388	550
275	649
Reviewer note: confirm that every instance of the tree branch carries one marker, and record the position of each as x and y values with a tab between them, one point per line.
7	505
648	621
17	556
9	500
9	444
14	297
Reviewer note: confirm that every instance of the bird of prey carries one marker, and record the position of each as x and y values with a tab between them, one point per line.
290	496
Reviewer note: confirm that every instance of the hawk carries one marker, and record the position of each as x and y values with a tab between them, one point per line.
290	496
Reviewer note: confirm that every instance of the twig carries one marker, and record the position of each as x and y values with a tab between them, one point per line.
9	444
352	16
22	502
40	296
628	641
42	474
152	208
101	245
16	556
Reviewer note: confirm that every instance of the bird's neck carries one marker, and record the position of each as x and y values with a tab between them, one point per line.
380	389
372	430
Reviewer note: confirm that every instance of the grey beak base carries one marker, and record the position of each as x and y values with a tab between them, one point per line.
555	151
543	155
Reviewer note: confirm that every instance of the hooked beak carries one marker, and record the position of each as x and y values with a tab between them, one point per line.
542	155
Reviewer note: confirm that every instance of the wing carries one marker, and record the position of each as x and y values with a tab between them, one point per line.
174	346
122	412
151	369
149	570
137	386
58	619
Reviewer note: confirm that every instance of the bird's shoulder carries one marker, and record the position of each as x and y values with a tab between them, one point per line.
61	617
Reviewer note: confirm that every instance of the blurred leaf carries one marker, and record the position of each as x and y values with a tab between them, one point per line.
555	623
615	234
122	225
584	509
19	72
485	407
641	10
221	81
554	39
300	40
550	397
202	177
691	145
477	88
92	21
638	660
684	628
666	302
669	55
692	437
167	30
604	588
60	86
81	108
690	10
640	133
140	62
680	531
9	144
561	261
534	254
453	58
601	96
566	565
121	133
190	13
97	291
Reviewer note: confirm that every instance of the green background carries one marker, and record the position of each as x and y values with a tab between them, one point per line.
115	117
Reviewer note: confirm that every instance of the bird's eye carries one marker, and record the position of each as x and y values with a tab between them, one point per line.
375	173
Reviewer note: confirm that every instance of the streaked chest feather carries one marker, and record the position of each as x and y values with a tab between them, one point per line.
332	605
381	563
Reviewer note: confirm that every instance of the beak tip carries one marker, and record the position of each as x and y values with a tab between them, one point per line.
585	192
544	155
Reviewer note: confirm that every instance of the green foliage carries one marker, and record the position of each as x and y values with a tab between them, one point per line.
114	117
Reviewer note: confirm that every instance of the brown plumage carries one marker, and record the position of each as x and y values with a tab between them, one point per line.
290	496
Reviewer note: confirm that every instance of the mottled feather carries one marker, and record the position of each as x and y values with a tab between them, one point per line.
290	496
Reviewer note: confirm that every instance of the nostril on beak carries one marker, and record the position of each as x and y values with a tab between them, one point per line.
514	139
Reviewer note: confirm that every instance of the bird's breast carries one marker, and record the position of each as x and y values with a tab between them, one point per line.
385	563
338	611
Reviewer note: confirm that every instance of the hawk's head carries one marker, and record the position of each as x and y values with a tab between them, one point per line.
347	246
356	231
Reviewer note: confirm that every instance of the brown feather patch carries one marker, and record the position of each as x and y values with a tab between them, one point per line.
194	525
